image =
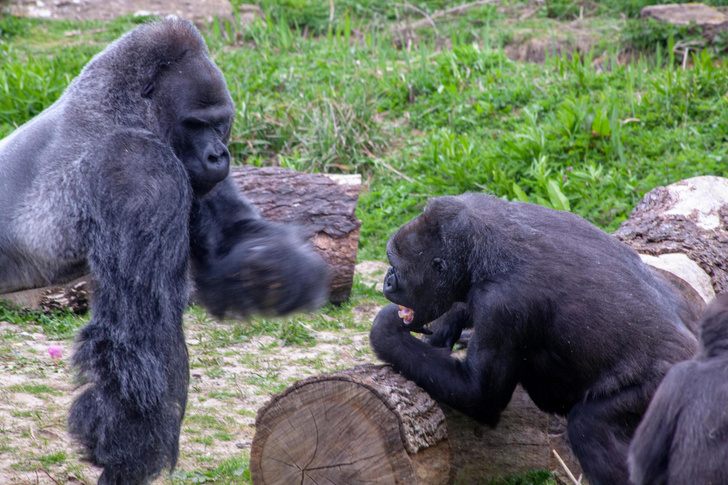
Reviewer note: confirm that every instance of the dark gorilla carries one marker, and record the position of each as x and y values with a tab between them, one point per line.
125	176
683	438
554	303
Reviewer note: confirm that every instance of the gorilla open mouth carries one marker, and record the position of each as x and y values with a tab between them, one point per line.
406	314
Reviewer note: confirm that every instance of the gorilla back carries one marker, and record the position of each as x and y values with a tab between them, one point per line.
125	177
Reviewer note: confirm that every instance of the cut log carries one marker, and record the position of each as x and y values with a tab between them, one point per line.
368	424
359	425
687	218
323	206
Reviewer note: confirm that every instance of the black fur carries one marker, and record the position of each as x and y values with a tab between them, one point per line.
555	304
125	177
683	437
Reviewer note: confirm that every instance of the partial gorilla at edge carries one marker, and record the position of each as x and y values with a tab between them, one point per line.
125	177
683	437
554	303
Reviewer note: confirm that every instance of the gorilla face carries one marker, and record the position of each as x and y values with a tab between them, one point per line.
195	114
422	278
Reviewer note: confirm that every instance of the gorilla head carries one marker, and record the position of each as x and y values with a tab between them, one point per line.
125	177
171	88
433	260
197	125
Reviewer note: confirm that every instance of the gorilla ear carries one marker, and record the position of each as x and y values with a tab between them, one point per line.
439	264
147	90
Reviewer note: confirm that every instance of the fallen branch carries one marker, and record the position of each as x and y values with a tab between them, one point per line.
566	469
430	20
421	12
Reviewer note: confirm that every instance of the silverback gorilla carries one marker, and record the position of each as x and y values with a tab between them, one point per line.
554	303
125	177
683	438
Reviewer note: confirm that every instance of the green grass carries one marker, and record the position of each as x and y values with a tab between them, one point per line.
433	121
58	324
36	389
230	471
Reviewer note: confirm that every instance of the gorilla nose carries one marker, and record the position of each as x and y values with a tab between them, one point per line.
217	162
390	281
218	154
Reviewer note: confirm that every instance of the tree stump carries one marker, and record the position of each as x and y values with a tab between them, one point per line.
368	424
323	206
683	225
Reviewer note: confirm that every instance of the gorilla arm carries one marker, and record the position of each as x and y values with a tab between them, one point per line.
650	447
480	386
243	263
132	353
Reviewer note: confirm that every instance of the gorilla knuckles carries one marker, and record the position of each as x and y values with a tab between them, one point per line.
191	97
555	304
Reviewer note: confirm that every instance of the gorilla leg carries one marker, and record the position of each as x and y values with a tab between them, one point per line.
600	430
132	354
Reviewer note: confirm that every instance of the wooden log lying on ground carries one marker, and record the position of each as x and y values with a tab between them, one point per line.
368	424
323	206
359	425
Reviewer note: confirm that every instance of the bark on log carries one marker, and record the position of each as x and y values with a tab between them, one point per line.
73	296
368	424
689	217
323	206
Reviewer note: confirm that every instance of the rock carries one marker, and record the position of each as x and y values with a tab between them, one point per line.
372	273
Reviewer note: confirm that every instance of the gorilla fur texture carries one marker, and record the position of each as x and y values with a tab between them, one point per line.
683	438
125	177
555	304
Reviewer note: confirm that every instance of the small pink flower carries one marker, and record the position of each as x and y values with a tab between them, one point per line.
55	352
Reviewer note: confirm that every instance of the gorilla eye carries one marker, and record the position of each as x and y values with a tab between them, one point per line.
222	129
439	264
194	124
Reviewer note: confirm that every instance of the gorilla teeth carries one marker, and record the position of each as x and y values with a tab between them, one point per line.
406	314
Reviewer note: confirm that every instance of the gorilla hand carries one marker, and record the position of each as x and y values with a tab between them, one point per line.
267	270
